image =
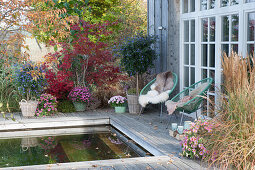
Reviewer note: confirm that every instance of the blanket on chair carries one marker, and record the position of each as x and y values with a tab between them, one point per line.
171	106
159	90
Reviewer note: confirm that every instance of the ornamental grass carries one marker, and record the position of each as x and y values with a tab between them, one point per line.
232	144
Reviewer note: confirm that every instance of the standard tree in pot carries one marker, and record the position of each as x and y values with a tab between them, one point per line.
30	81
137	56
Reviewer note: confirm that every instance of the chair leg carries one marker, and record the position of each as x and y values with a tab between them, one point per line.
169	121
196	115
181	119
161	112
140	113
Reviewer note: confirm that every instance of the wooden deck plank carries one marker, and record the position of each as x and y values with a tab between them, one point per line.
157	166
119	167
102	168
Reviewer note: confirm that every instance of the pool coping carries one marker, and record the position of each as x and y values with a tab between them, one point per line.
94	164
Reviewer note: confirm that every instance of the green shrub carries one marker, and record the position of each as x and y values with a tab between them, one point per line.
65	106
131	91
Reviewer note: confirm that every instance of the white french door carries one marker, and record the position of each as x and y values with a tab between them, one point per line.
208	28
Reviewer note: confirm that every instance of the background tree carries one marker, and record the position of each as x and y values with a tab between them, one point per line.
129	17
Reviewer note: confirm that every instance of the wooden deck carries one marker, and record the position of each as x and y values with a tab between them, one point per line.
146	131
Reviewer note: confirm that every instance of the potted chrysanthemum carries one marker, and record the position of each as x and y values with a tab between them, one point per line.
80	96
119	103
30	81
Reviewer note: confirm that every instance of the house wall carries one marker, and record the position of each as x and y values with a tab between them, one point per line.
36	51
165	14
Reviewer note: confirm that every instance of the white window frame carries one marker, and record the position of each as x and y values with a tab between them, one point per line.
242	9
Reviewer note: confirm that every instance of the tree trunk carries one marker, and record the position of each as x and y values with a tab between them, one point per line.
137	84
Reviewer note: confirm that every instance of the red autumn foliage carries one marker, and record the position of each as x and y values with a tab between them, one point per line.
88	54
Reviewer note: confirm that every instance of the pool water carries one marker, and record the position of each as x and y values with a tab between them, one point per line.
64	148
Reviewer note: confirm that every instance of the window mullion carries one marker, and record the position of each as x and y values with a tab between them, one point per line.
230	34
241	33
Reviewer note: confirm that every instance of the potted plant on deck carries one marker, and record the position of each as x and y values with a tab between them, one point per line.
30	81
80	96
119	103
137	56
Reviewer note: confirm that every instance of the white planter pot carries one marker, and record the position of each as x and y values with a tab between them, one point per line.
28	108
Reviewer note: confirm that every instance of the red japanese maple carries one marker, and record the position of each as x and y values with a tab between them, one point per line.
85	60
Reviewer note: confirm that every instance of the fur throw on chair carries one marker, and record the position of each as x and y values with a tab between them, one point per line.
159	90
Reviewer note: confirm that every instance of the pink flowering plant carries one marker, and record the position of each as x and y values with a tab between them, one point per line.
48	143
117	101
193	144
47	105
80	94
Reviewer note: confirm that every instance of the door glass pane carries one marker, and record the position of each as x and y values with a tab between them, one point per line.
203	5
186	76
212	75
251	25
192	75
235	24
205	29
204	55
234	2
250	49
186	31
234	48
224	3
192	54
212	55
225	28
192	5
225	49
212	29
185	6
192	34
186	54
204	73
212	4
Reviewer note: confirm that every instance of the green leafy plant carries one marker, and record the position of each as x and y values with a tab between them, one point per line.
65	106
8	93
137	55
133	91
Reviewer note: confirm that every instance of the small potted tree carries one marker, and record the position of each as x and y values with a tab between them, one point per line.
137	56
30	81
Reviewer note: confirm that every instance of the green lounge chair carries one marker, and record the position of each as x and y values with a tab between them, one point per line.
147	88
197	92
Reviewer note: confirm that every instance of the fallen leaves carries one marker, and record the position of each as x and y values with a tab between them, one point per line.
170	161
